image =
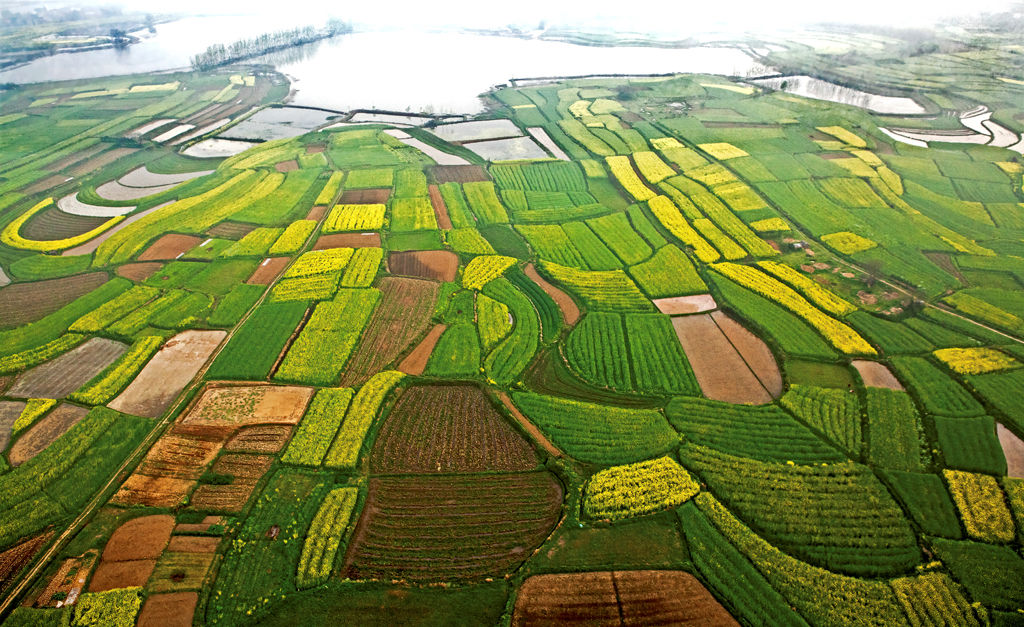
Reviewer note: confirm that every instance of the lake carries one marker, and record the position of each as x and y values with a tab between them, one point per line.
436	72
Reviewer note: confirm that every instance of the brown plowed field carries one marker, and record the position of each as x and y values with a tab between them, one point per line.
53	224
231	230
21	303
103	159
676	305
458	174
365	196
44	432
15	558
167	373
448	428
312	149
402	315
139	539
267	271
249	404
9	413
454	527
174	609
221	498
439	265
193	544
317	212
169	247
642	597
71	576
348	240
440	209
416	362
720	370
754	351
570	312
180	572
111	575
65	374
244	468
876	375
139	271
1013	451
287	166
152	491
260	439
180	456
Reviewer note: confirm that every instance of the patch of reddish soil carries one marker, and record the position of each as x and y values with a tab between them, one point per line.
201	527
753	351
1013	450
440	209
173	609
448	428
70	371
287	166
152	491
221	498
112	575
21	303
365	196
260	439
232	406
69	579
348	240
720	370
677	305
267	271
167	373
402	316
458	174
180	456
416	362
139	539
244	468
438	265
170	247
45	432
100	160
643	597
834	155
317	212
17	557
876	375
193	544
528	426
139	271
570	312
312	149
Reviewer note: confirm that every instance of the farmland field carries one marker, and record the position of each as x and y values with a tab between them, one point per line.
655	348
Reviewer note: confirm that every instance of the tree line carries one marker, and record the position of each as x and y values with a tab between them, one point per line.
220	54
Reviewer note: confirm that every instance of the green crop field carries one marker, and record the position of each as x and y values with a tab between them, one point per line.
654	349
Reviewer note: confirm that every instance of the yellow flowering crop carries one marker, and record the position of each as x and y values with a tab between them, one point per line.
848	243
975	360
723	150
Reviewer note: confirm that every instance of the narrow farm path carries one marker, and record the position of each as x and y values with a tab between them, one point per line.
531	428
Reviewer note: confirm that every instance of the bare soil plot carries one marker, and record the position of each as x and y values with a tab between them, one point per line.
287	166
754	351
249	404
458	174
111	575
103	159
170	246
167	373
243	467
348	240
173	609
193	544
139	271
377	196
439	265
9	413
643	597
720	370
229	498
267	271
876	375
402	315
139	539
180	572
200	527
65	374
676	305
317	212
440	209
152	491
75	157
17	557
22	303
570	312
52	224
1013	451
312	149
416	362
45	432
69	580
182	456
448	428
95	242
260	439
452	527
230	230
